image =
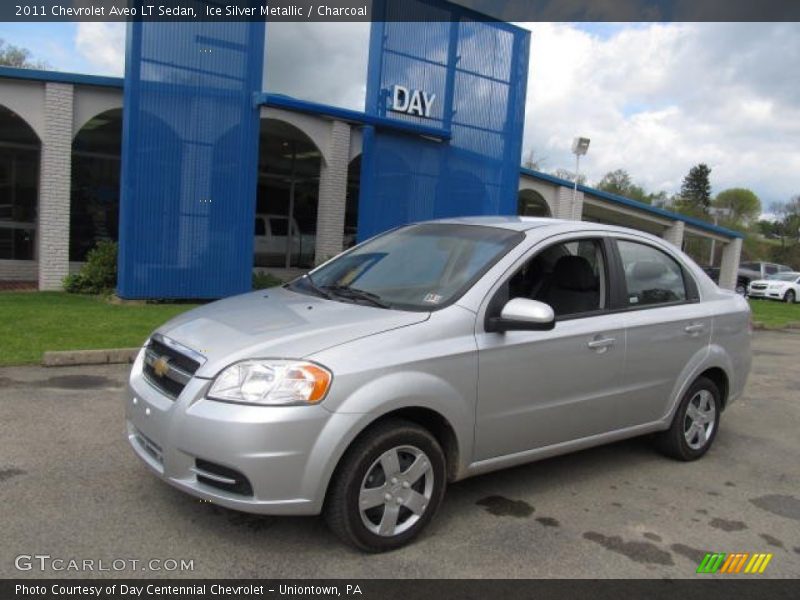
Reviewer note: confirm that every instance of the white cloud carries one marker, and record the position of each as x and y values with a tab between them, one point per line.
102	45
322	62
660	98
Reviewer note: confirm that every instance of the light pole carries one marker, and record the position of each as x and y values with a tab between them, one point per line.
580	146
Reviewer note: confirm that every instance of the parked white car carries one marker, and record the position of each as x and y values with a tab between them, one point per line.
783	286
272	237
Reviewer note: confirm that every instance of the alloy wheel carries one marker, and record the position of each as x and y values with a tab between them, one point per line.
396	491
700	419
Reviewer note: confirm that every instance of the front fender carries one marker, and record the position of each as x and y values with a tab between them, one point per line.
376	399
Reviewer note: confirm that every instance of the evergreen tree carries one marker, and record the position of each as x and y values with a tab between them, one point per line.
696	187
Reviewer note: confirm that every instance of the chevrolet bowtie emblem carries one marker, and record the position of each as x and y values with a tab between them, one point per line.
161	366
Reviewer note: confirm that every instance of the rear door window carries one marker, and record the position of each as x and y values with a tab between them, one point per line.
651	275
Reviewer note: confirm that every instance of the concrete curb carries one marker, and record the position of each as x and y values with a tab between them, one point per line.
89	357
790	328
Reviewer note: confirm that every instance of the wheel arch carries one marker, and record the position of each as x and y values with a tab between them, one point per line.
426	417
720	379
714	363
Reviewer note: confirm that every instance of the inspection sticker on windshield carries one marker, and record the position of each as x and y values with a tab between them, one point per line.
432	298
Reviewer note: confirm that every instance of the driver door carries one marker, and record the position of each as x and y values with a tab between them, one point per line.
538	388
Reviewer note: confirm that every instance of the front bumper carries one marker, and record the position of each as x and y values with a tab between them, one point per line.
770	294
280	451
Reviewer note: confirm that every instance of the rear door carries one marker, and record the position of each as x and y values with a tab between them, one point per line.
667	327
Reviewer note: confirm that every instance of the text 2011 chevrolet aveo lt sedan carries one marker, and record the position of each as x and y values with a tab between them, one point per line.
431	353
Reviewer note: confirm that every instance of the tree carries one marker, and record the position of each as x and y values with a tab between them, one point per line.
619	182
569	175
788	221
14	56
615	182
744	205
533	161
696	187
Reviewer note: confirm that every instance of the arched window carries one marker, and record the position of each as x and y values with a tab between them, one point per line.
288	193
19	186
532	204
94	194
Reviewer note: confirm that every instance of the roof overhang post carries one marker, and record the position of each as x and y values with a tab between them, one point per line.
729	268
55	175
674	233
333	194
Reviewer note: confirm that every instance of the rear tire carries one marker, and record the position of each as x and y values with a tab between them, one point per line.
695	424
789	298
387	486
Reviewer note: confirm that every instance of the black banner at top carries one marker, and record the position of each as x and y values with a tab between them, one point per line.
362	10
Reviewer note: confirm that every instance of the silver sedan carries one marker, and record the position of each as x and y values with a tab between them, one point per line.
431	353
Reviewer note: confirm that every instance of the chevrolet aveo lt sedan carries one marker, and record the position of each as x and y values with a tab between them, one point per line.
431	353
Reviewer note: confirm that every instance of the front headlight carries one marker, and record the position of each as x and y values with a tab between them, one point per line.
272	383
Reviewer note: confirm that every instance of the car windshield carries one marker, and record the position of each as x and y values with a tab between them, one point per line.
418	267
785	276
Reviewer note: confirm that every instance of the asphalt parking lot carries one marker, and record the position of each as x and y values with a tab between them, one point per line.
71	488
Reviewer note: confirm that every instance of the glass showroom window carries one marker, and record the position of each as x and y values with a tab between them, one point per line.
94	200
288	192
19	187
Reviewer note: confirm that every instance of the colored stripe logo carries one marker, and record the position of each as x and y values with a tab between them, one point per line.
734	563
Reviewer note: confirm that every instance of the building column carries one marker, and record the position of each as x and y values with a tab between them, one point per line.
333	194
674	234
54	186
729	268
567	209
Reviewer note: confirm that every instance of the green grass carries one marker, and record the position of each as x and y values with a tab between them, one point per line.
775	314
32	322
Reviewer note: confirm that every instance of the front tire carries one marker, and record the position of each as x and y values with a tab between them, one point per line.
695	424
387	487
789	297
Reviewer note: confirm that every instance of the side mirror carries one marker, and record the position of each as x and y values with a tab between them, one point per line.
522	314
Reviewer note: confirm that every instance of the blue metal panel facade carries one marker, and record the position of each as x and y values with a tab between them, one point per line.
478	72
190	159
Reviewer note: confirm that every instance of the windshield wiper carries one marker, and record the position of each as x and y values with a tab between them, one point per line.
345	291
313	286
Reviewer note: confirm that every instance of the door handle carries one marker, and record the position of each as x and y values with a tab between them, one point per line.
694	328
601	344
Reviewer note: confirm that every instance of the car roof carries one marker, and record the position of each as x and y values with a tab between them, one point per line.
515	223
502	222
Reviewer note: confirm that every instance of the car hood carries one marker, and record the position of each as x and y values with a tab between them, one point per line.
277	323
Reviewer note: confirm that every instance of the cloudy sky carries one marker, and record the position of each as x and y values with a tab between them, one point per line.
654	98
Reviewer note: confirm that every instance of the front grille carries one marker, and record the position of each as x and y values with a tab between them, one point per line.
168	366
222	478
759	286
176	357
170	387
